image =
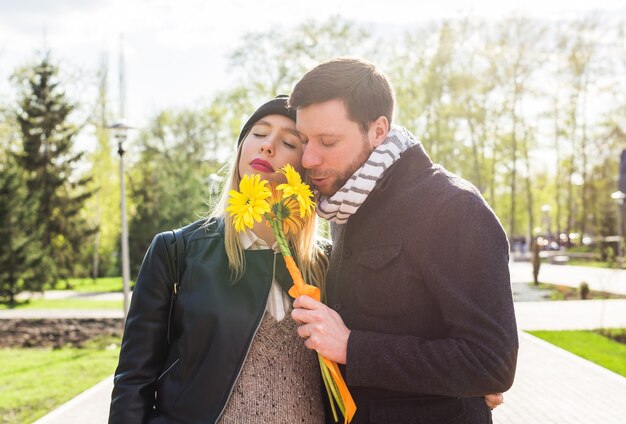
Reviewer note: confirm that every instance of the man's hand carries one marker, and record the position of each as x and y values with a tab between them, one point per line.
322	328
494	399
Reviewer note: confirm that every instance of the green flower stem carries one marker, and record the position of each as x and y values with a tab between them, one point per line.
277	227
338	398
327	386
281	239
333	386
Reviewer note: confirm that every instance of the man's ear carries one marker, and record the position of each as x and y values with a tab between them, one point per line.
378	130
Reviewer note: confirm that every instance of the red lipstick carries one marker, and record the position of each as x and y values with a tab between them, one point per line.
261	165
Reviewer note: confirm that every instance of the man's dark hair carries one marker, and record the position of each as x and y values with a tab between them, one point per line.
364	90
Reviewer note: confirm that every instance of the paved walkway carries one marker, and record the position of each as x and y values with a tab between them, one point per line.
555	386
571	315
551	384
71	294
64	313
89	407
60	313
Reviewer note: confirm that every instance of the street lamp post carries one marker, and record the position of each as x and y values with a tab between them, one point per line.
120	130
618	197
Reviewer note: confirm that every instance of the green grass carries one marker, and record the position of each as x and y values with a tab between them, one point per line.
65	304
589	345
89	285
35	381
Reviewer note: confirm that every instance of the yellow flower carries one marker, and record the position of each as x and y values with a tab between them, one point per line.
249	204
288	210
296	188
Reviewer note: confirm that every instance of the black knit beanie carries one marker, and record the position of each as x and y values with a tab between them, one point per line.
276	106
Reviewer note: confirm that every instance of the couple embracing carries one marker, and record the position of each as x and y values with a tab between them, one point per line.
416	304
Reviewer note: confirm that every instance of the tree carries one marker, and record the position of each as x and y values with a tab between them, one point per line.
49	162
169	183
514	51
579	46
23	264
102	210
271	62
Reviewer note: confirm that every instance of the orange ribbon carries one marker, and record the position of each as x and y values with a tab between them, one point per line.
301	288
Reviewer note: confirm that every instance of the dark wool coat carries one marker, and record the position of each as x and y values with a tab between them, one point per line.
420	275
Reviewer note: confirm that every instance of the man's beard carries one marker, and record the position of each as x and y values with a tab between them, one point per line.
343	178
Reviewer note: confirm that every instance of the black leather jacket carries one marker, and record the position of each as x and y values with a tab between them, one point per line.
214	323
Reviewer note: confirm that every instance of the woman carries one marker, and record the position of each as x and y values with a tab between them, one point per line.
235	356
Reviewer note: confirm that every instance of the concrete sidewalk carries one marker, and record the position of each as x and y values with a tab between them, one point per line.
70	294
89	407
21	313
554	386
571	314
60	313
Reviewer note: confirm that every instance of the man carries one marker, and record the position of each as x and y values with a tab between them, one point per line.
420	306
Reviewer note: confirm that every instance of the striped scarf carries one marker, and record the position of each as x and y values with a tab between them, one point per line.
347	200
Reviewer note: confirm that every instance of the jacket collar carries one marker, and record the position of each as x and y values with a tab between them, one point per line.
249	239
281	274
412	162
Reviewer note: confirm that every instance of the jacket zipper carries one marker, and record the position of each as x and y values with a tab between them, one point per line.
156	392
245	358
168	369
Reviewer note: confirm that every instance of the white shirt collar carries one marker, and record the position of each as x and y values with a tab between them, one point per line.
251	241
278	302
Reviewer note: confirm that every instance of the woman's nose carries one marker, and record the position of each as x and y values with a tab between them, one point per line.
267	145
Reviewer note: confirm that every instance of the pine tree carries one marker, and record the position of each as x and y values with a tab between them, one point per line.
48	159
23	264
20	252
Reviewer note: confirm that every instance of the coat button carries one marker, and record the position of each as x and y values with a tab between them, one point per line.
347	252
337	306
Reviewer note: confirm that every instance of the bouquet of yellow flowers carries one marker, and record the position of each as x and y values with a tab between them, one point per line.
285	207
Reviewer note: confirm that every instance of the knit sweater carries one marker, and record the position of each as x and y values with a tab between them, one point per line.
280	380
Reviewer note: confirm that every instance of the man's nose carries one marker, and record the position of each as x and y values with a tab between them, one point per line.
311	157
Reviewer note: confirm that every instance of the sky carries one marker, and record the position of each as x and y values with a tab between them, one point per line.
175	50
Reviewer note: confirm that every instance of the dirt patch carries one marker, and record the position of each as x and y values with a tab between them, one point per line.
574	293
543	291
618	335
56	333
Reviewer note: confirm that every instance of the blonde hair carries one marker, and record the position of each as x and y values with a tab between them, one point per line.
309	255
